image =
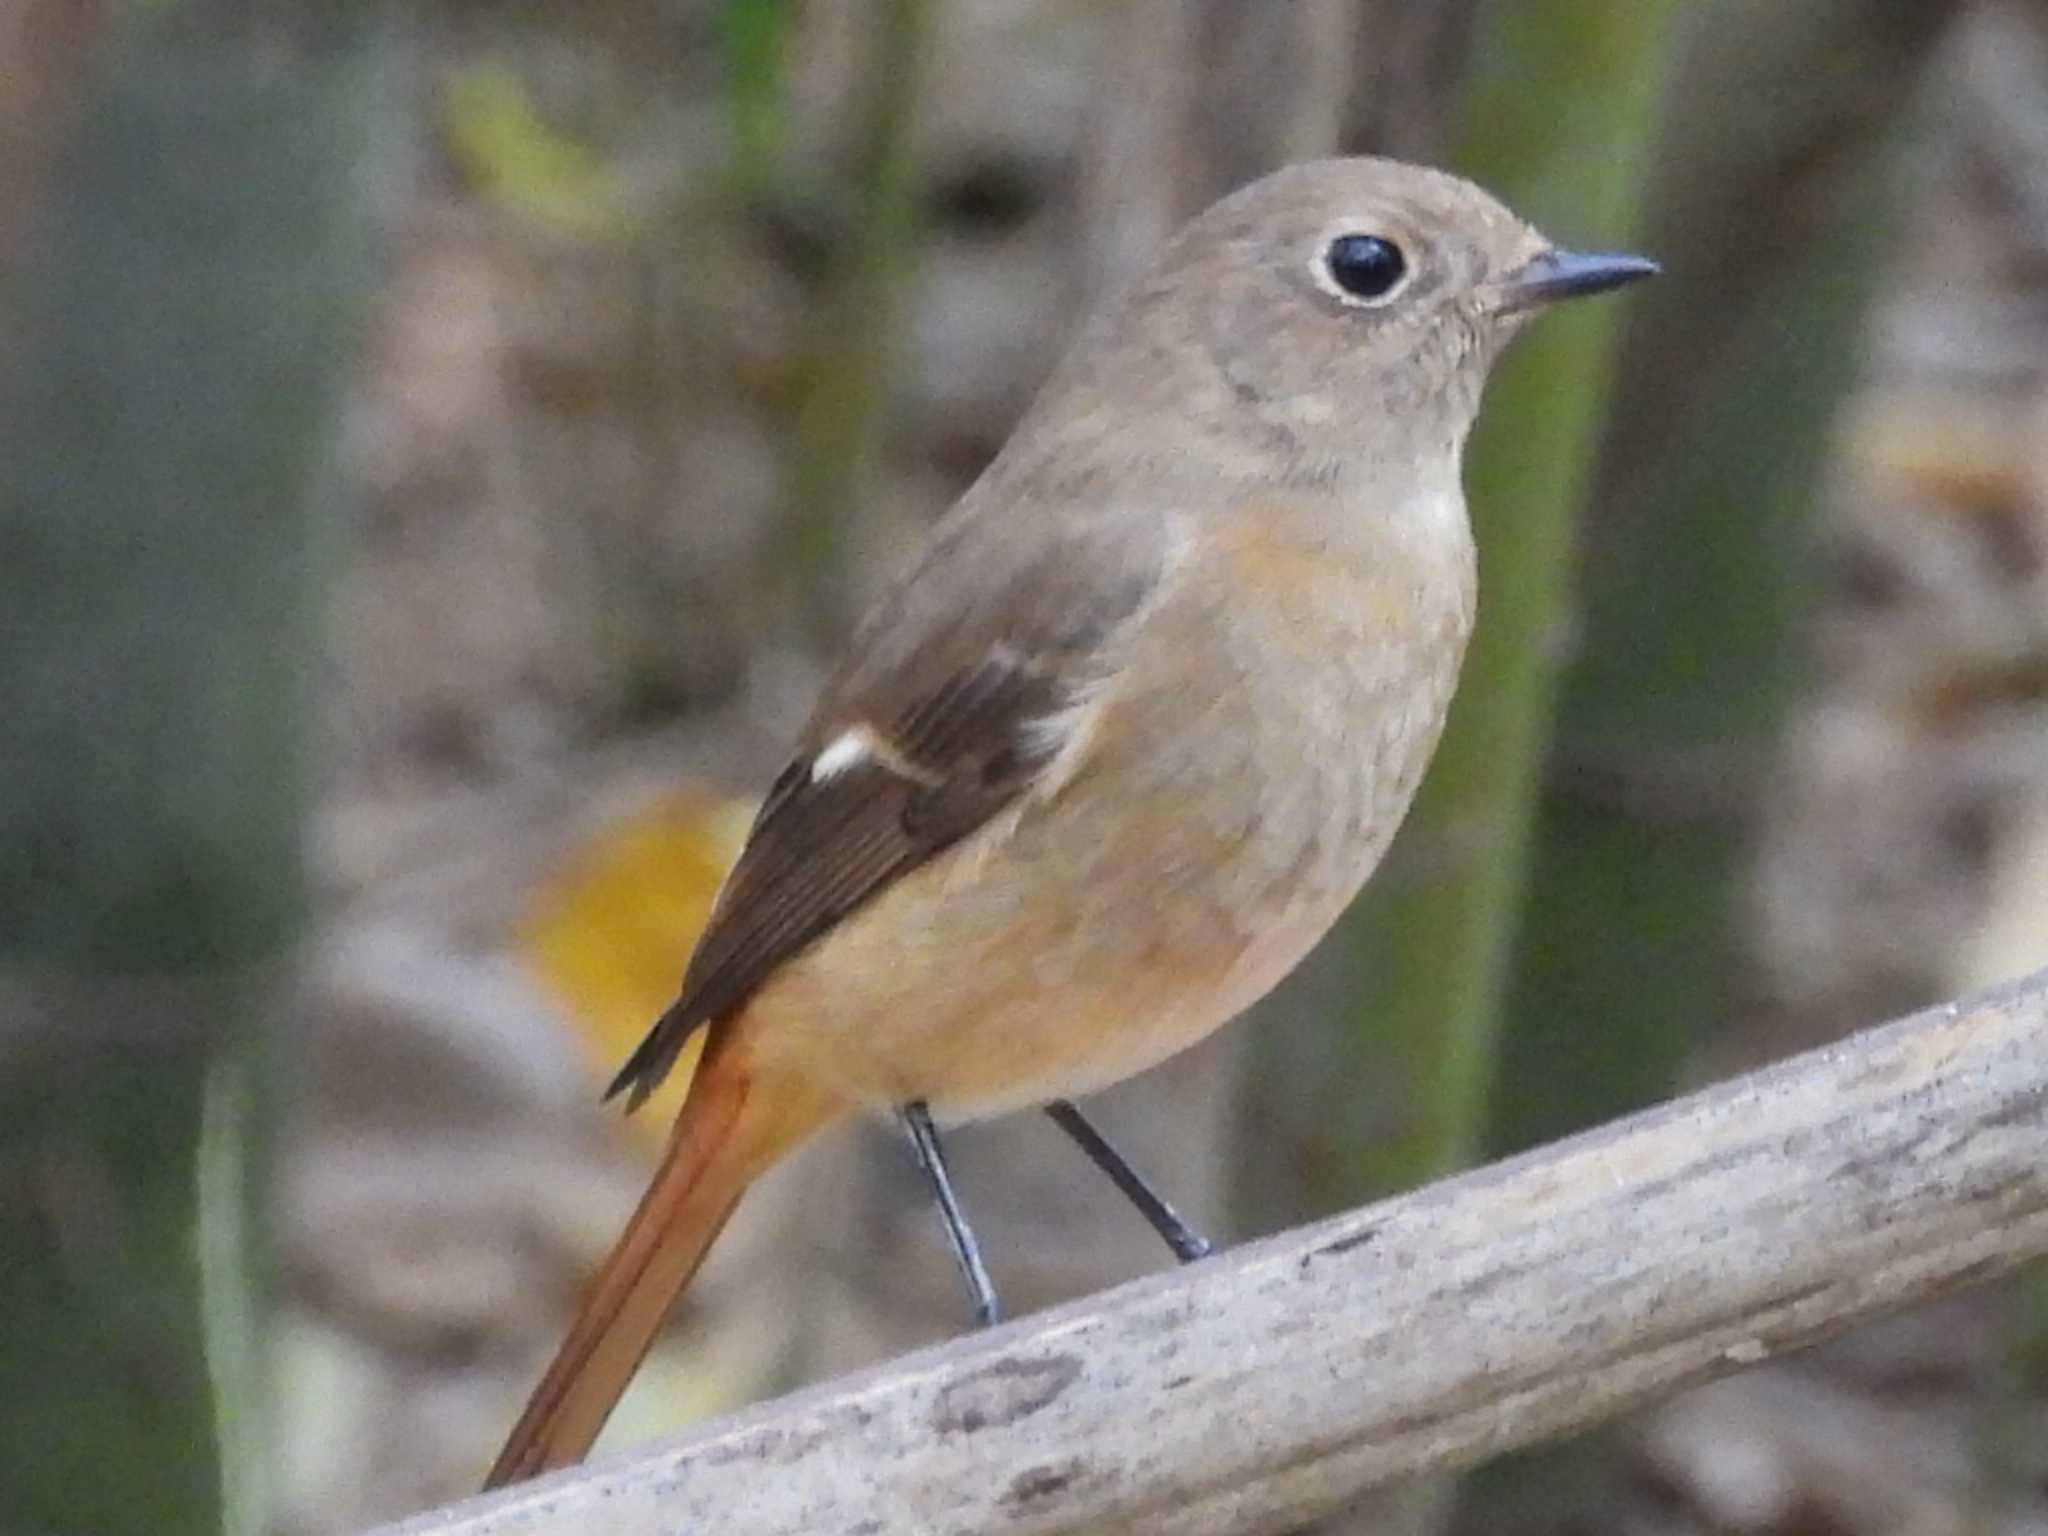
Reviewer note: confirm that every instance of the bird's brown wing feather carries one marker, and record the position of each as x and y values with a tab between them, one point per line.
953	701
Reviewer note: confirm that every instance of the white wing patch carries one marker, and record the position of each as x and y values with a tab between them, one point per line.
846	751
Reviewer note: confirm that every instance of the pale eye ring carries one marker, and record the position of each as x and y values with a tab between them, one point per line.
1363	269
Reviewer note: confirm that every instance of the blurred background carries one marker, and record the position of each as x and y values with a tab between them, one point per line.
441	446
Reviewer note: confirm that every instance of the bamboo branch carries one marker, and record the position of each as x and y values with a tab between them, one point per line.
1253	1391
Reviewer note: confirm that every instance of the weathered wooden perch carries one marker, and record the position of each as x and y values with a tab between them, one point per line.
1269	1385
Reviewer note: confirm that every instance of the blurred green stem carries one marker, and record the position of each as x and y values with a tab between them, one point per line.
178	316
850	362
1556	120
1690	637
752	37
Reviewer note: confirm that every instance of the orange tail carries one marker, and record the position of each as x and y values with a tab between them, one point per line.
733	1125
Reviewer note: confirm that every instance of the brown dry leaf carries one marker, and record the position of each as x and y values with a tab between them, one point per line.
608	937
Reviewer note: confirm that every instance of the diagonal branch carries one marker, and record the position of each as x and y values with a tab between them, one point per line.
1262	1388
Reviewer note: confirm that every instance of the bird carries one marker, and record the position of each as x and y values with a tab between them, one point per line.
1124	740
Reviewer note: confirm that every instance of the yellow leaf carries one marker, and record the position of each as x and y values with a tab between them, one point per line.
520	162
608	937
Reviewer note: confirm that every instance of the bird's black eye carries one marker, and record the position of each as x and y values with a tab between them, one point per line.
1365	266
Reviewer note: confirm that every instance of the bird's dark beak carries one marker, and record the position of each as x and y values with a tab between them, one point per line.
1567	275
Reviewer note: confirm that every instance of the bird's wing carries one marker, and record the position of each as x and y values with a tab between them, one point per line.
943	713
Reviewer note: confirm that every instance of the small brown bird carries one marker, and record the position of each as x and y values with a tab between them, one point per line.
1126	739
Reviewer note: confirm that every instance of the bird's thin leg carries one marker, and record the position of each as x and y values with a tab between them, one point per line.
1186	1243
924	1141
